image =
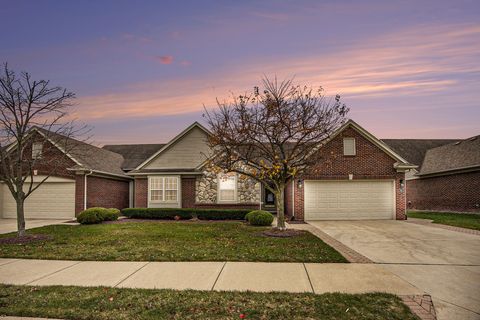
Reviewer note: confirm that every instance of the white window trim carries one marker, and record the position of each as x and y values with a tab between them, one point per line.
235	197
354	147
38	154
164	189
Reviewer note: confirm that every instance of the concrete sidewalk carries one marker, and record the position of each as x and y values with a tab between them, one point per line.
241	276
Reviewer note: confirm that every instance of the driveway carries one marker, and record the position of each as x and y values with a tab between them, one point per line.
443	263
10	225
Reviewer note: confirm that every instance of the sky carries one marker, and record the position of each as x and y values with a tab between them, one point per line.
143	70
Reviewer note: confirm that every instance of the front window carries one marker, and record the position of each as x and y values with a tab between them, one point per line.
163	189
37	148
227	188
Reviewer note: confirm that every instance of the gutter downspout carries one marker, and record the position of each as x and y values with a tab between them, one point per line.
85	190
293	199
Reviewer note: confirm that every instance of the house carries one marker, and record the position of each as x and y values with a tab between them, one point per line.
85	176
448	175
359	177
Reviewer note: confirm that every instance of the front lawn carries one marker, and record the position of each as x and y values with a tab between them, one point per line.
112	303
464	220
170	241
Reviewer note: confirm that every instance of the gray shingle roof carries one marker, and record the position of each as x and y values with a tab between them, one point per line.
89	156
453	156
134	154
413	150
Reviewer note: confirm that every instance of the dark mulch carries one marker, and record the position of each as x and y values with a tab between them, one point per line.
127	220
277	233
29	238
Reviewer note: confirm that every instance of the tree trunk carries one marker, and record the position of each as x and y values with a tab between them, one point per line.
280	208
21	217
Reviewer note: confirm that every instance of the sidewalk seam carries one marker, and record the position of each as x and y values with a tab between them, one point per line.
51	274
10	262
131	274
308	277
218	276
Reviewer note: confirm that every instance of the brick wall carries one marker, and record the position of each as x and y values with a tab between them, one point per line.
141	193
456	192
288	199
107	193
370	162
101	192
188	192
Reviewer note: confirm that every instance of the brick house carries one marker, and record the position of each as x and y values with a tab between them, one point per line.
448	175
360	177
85	176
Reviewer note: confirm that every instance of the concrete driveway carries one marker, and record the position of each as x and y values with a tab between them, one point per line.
10	225
443	263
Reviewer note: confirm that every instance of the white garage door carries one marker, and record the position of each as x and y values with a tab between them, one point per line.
54	199
349	200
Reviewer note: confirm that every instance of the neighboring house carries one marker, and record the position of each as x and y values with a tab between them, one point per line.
86	176
448	178
359	177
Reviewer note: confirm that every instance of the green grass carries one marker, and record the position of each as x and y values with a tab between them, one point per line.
469	221
99	303
170	241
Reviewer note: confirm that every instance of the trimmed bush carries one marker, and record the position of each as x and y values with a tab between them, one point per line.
259	218
111	214
91	216
97	215
185	213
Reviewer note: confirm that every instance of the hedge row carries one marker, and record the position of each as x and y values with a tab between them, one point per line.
97	215
186	213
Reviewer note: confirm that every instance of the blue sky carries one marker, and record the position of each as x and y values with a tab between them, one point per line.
143	70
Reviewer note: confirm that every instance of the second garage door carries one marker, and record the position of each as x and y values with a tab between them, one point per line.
349	200
54	199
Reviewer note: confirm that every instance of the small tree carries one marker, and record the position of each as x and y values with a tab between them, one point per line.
31	111
272	134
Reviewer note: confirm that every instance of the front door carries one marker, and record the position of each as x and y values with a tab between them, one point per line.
269	198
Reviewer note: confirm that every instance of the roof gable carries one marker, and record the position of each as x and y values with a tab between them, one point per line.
401	162
183	151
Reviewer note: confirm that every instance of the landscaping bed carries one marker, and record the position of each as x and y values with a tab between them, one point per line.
170	241
112	303
463	220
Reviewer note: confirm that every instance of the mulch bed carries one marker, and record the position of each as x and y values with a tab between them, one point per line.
126	220
277	233
29	238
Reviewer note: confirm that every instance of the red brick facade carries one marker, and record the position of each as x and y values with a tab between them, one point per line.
140	193
101	192
188	192
370	162
455	192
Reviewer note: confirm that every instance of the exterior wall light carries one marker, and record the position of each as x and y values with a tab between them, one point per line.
300	183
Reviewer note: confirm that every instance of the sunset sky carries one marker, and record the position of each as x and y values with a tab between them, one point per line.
142	70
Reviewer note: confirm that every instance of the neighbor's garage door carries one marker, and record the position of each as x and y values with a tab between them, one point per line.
52	200
349	200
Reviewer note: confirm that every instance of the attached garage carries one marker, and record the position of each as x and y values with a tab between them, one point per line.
349	200
54	199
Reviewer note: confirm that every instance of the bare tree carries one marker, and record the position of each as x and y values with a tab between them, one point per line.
272	134
33	127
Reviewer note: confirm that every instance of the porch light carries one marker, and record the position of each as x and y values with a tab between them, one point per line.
300	183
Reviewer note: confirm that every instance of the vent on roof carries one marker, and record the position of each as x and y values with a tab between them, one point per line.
457	143
472	138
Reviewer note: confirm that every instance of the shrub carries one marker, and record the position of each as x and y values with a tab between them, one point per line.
259	218
111	214
185	213
91	216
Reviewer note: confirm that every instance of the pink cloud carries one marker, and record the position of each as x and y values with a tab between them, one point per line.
164	59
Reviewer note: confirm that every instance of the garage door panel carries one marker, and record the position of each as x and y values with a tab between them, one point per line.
348	200
52	200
